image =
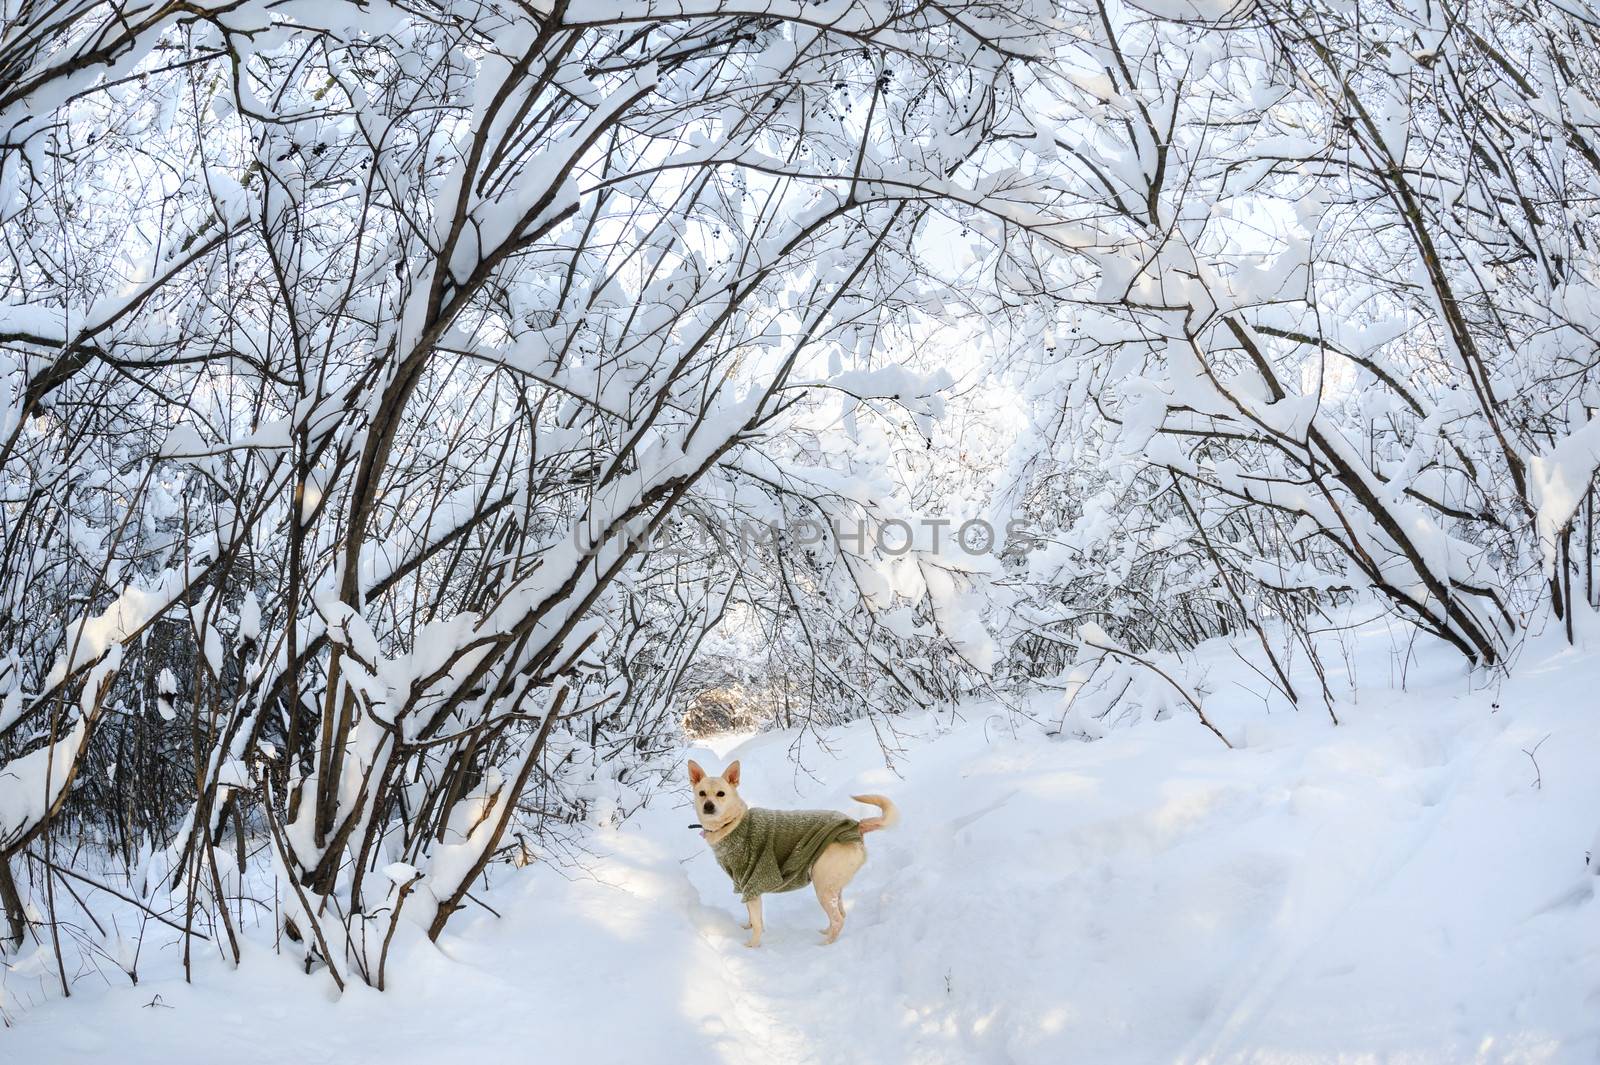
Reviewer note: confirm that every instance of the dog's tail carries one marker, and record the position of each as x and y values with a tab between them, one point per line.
889	818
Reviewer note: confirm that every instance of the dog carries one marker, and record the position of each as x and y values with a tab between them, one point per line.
766	851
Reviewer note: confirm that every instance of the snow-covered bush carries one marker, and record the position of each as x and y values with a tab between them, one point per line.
1324	323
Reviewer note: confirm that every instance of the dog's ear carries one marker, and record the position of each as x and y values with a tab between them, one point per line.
696	774
731	774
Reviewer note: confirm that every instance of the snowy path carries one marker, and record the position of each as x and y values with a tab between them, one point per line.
1392	890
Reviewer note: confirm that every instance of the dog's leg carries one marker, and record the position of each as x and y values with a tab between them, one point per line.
755	926
832	904
834	869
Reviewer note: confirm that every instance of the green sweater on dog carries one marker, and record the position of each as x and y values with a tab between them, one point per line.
774	850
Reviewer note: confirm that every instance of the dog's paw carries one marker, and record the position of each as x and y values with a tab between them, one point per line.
752	942
746	925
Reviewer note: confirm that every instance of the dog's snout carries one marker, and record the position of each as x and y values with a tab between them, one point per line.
710	807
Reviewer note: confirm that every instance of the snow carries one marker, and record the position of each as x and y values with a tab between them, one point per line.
1557	483
30	779
89	638
1409	886
10	708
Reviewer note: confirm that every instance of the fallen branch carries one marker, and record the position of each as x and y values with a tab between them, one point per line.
129	899
1158	671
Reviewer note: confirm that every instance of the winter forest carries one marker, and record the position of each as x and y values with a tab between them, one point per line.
1153	441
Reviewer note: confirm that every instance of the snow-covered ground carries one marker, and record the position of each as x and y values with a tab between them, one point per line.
1396	889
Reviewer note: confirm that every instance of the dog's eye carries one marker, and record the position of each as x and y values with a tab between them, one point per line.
719	794
702	794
